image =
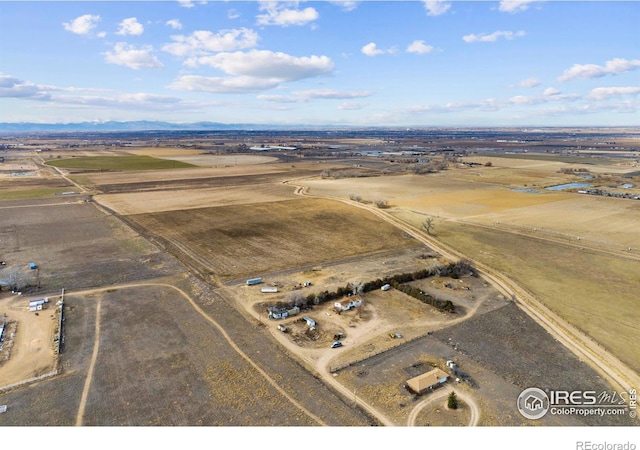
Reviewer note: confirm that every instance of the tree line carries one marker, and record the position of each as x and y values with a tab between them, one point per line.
463	267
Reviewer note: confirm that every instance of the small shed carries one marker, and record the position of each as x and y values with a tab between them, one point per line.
427	381
310	322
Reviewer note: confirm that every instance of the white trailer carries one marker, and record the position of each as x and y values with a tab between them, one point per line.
269	289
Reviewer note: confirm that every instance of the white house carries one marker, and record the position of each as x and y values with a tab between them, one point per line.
349	303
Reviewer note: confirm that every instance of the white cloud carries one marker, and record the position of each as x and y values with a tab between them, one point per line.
514	6
436	7
12	87
419	47
351	106
267	64
493	37
252	71
124	100
233	14
174	23
277	13
371	49
612	67
130	26
346	5
202	42
132	57
190	3
548	92
523	100
221	85
311	94
528	83
604	93
83	24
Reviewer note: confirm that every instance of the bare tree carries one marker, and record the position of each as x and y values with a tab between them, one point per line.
428	225
356	287
16	278
299	300
382	204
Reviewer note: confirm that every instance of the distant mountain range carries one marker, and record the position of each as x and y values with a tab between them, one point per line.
142	125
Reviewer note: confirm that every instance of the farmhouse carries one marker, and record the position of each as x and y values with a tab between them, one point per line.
282	313
427	381
347	304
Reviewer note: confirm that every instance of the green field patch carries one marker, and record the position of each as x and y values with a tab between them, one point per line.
128	162
26	194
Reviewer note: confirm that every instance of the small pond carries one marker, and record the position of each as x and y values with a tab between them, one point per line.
562	187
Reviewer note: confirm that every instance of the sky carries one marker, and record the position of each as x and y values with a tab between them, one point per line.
352	63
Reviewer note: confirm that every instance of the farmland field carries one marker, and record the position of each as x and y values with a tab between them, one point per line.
130	162
231	242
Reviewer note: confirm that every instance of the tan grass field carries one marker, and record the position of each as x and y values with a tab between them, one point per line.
235	241
200	158
104	178
597	293
158	201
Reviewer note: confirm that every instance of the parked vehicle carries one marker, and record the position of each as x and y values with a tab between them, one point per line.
336	344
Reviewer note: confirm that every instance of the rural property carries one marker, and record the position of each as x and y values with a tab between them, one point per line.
189	279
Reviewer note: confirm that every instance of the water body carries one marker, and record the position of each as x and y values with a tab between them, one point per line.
562	187
528	191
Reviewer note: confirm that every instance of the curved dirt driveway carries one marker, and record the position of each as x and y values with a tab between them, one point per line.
473	406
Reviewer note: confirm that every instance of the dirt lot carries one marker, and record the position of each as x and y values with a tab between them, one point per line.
28	349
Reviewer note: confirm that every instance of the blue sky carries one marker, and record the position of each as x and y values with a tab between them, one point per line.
361	63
